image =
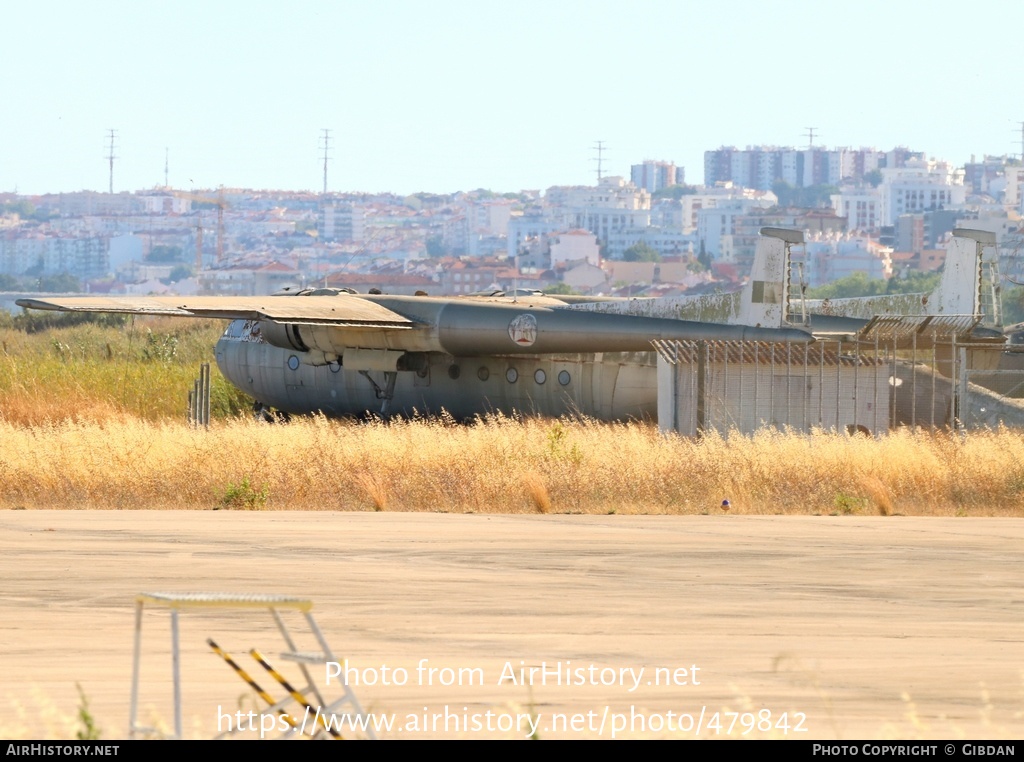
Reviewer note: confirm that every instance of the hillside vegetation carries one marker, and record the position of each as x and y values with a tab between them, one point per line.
59	367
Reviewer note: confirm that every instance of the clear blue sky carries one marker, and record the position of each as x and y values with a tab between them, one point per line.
449	95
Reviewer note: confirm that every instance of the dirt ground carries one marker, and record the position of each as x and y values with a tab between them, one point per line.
649	626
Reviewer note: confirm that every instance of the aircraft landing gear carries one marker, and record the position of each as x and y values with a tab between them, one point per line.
387	393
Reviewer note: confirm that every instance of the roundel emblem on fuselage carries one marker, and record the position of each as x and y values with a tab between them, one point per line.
523	330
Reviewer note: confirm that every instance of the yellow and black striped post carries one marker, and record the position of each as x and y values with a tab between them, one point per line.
252	683
294	693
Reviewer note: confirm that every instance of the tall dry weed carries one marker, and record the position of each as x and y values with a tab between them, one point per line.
503	465
878	494
537	492
375	488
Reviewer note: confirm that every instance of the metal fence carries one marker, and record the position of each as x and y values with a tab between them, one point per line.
199	399
870	387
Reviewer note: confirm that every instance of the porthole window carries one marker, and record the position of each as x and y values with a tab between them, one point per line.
293	362
511	375
540	376
483	374
453	372
564	378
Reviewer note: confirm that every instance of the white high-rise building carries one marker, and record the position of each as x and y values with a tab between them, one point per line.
862	207
612	205
921	186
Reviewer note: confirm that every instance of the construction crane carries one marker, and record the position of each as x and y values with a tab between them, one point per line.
219	202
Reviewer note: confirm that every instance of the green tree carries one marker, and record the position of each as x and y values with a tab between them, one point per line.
641	252
913	282
436	247
22	208
703	257
179	272
811	197
33	321
1013	305
26	210
857	284
165	254
817	196
559	288
674	191
60	284
873	178
785	192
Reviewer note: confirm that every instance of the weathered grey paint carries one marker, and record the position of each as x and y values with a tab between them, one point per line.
602	385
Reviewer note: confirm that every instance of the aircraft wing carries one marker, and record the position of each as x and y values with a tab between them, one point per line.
455	326
310	310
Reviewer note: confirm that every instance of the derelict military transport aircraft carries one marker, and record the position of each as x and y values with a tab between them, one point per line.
346	354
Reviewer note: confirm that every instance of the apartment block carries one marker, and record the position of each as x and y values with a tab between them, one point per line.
862	207
341	222
920	186
83	257
652	176
762	166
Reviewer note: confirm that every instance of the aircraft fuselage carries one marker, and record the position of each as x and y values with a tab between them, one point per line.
602	385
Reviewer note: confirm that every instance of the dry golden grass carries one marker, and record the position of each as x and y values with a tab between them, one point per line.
502	465
537	491
33	715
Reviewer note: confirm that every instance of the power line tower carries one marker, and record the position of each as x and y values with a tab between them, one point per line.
599	149
325	145
110	157
810	136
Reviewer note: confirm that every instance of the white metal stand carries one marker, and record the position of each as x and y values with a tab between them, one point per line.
274	604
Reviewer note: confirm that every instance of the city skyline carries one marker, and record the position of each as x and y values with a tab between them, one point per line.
456	96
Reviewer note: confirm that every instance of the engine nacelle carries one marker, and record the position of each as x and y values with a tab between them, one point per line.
289	336
282	335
